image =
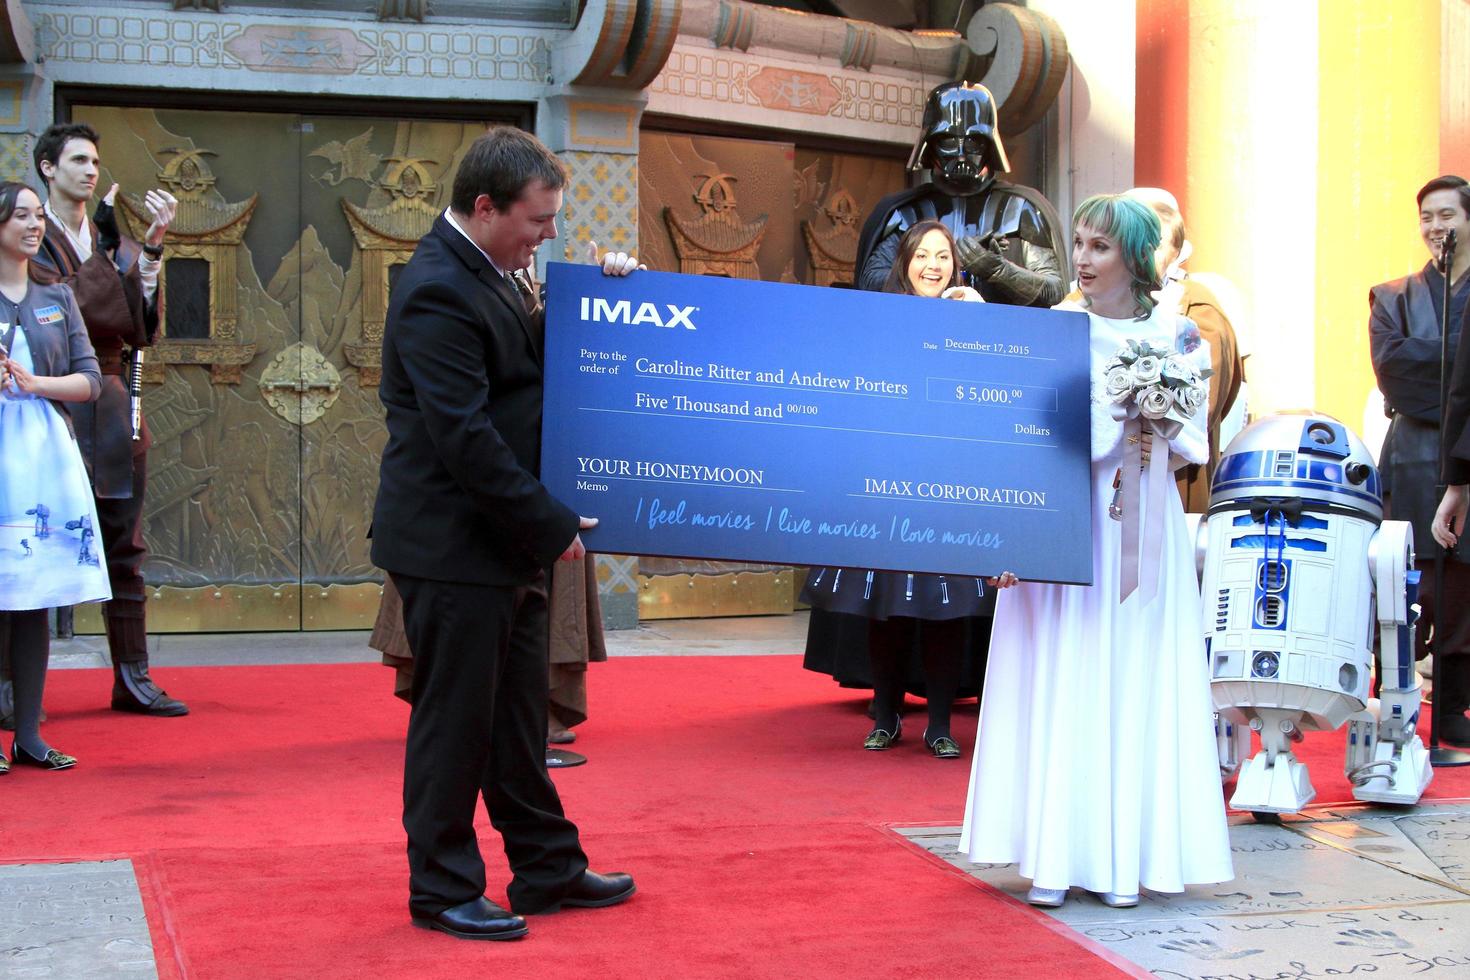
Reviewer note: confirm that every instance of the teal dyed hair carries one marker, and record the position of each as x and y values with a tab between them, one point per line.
1137	230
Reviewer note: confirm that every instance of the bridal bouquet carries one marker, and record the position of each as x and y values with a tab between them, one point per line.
1155	383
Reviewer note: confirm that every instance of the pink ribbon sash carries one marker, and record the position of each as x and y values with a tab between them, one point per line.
1142	556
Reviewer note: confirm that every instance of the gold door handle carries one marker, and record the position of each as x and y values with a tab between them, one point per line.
303	385
300	384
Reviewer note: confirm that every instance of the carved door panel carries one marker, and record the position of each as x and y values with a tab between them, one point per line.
262	393
749	209
222	512
371	189
835	193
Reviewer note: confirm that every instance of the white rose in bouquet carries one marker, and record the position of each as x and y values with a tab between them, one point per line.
1147	369
1155	403
1179	372
1119	383
1191	399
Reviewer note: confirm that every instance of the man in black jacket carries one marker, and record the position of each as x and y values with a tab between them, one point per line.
1404	329
465	529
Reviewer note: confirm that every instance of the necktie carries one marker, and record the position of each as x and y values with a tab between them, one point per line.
527	292
531	301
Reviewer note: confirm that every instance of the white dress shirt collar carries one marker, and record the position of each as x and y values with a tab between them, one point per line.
449	217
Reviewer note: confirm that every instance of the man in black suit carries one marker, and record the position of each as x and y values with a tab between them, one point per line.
465	529
1449	519
1404	329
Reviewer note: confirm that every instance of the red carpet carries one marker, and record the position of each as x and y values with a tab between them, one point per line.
264	829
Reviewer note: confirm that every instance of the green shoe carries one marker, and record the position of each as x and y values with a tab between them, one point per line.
879	739
943	747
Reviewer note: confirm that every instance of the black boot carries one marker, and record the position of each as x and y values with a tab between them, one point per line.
133	690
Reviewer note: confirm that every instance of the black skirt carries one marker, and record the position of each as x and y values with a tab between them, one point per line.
837	634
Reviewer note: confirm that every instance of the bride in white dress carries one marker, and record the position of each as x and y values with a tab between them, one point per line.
1095	765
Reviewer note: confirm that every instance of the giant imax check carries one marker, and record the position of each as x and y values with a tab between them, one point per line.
702	417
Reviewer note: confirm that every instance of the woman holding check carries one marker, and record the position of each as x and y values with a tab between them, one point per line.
1095	763
905	607
49	552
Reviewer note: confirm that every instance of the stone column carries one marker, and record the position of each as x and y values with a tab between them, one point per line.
595	132
25	96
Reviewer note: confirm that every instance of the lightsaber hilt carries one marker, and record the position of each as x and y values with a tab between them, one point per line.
135	391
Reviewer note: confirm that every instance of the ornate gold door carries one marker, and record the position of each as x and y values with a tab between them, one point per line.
263	389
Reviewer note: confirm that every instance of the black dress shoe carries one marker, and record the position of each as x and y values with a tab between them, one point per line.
592	891
478	918
134	691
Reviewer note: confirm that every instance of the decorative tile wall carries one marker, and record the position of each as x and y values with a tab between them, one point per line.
601	201
215	42
780	95
15	158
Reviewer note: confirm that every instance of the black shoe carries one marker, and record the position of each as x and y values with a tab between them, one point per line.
54	760
133	690
478	918
592	891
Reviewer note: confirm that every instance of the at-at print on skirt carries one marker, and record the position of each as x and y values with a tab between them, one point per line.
50	552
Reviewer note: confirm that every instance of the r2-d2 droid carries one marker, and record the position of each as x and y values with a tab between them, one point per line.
1299	567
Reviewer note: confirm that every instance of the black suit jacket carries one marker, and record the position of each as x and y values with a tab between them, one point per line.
1403	333
458	494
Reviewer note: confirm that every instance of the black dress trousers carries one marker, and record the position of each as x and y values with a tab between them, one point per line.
478	728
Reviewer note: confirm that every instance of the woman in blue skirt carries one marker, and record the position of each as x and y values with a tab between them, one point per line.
49	551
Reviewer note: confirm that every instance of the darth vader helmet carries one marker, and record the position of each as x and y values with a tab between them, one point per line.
960	139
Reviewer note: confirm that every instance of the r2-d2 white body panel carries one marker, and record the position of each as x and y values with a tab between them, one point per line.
1299	568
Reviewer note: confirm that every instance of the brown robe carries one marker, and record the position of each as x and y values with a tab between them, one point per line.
575	639
110	294
1201	306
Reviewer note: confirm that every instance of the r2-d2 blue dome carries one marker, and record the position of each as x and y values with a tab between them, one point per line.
1299	568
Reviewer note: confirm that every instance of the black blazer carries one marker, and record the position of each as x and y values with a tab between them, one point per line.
1403	334
458	494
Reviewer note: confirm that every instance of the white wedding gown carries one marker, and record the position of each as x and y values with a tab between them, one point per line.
1095	763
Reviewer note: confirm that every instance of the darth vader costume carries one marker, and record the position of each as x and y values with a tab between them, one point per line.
1011	243
1011	246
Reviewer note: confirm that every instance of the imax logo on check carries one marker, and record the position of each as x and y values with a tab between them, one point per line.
597	309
